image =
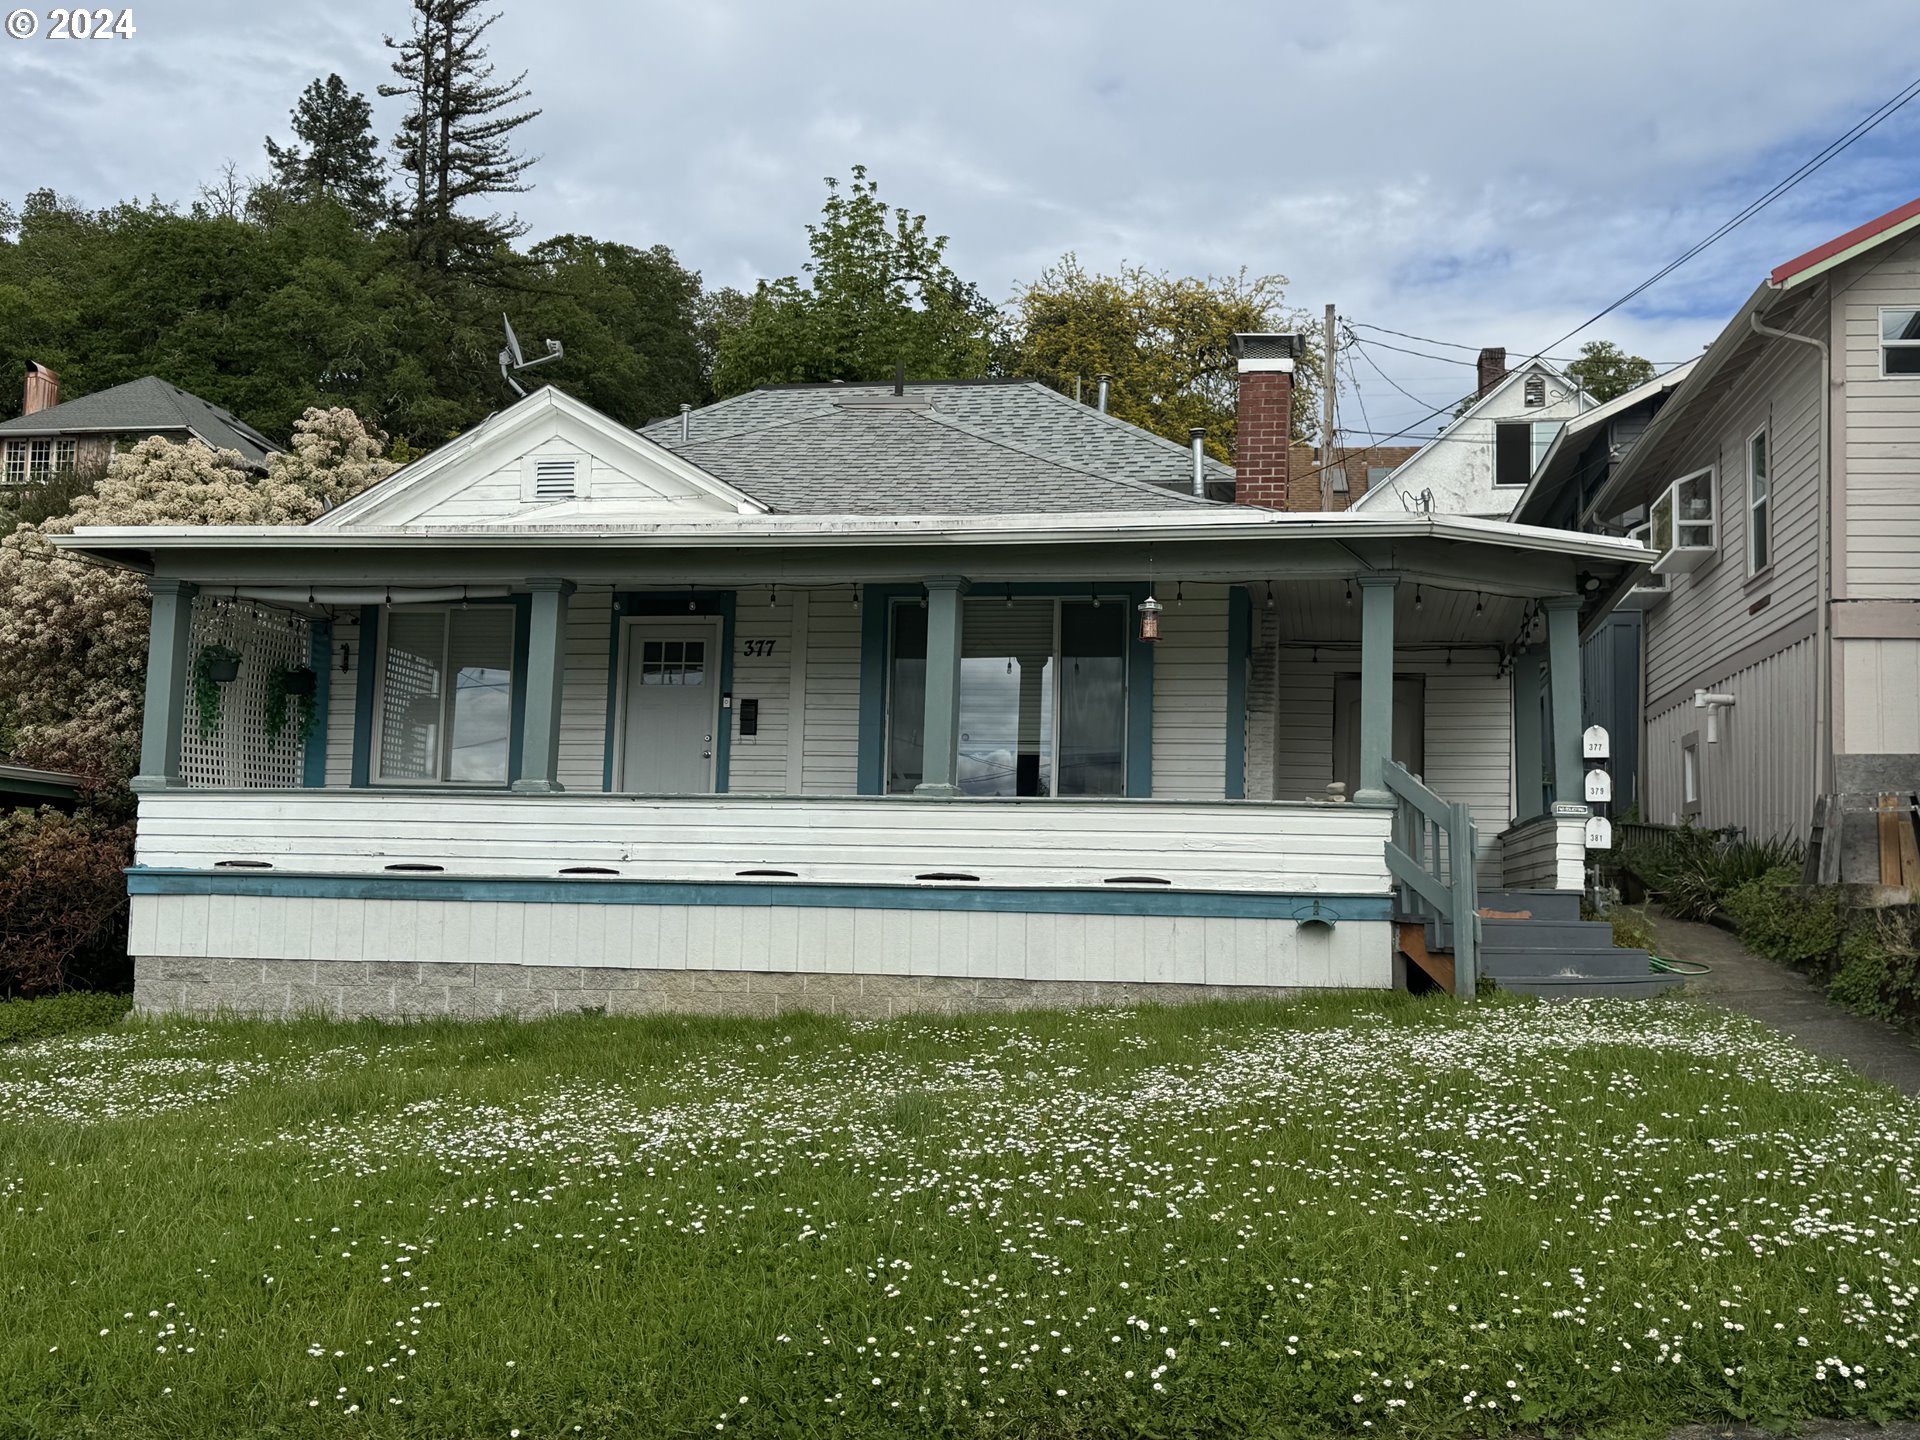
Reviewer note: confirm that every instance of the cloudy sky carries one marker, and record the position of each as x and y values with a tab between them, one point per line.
1480	172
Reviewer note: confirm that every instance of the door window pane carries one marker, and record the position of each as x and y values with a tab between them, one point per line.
411	700
1093	698
480	649
1006	698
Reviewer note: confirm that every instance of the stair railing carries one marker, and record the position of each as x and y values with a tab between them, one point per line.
1431	858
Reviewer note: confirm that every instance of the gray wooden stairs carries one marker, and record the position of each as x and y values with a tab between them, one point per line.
1535	943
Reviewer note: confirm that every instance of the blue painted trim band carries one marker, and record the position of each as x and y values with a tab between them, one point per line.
588	891
363	697
1239	656
320	661
876	604
720	604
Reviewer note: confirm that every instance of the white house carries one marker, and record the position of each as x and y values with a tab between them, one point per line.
860	697
1481	462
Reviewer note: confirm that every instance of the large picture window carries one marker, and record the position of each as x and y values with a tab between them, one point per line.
446	696
1043	687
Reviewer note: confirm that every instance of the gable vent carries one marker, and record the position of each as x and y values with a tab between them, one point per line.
1536	390
553	479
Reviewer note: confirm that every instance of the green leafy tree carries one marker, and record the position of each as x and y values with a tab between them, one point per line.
457	142
336	155
1604	370
878	292
1163	339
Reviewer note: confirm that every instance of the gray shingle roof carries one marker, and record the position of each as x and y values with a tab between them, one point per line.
147	406
942	448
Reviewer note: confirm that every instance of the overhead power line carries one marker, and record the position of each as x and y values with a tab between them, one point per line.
1862	128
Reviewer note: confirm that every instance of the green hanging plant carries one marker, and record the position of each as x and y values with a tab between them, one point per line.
214	666
290	697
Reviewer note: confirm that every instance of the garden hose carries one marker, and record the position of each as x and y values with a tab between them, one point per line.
1663	965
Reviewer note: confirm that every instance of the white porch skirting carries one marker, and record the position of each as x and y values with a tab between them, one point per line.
415	904
1544	853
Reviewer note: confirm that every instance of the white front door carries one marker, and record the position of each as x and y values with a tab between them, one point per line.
671	707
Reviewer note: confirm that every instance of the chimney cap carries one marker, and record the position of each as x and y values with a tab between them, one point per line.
1267	345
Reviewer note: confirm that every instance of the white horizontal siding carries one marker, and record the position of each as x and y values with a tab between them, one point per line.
830	759
343	687
1759	775
1880	697
1468	722
1140	949
1190	697
1544	853
1882	461
583	691
1243	847
762	665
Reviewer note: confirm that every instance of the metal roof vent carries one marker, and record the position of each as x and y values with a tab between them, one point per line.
1267	346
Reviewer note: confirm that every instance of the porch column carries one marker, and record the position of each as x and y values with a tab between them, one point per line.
1377	594
546	659
940	736
1529	759
163	723
1563	674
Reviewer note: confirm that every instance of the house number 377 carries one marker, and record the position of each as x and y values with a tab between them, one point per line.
755	648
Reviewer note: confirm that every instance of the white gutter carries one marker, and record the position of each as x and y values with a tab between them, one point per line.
1822	623
762	532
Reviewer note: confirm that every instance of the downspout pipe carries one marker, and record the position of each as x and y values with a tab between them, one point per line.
1822	621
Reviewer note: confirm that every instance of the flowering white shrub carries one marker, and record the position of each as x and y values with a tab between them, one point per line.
73	635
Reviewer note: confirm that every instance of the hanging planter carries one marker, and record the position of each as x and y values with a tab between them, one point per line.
214	666
290	697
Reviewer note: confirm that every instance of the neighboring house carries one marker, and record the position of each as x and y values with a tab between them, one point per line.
1354	470
1480	463
1582	458
50	436
863	698
1777	483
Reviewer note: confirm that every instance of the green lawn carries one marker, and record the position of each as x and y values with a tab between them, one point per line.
1368	1215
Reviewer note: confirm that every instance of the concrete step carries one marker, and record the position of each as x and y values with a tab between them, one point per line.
1544	934
1609	963
1540	904
1558	987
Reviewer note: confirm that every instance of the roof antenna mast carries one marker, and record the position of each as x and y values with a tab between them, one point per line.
511	359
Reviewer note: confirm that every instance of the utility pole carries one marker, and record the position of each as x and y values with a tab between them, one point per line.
1329	389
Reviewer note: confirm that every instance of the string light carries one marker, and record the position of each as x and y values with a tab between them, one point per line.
1269	594
1418	602
1349	594
1479	603
1179	592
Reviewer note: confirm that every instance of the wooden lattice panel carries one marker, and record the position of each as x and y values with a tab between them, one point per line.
239	754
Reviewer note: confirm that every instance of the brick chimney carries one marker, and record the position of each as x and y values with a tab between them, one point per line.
1264	418
43	389
1493	368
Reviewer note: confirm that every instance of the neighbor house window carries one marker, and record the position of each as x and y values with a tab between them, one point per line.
63	454
446	695
1043	687
1759	505
1899	341
15	461
1518	448
39	459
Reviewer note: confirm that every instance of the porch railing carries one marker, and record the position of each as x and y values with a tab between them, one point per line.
1431	859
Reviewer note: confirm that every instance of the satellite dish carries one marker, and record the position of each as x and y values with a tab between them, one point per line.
511	358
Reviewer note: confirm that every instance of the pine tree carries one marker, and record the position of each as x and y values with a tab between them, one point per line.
456	144
341	155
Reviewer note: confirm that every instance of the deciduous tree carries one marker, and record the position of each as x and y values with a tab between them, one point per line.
878	292
1604	370
1163	339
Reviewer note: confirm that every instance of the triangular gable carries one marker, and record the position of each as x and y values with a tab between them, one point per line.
547	456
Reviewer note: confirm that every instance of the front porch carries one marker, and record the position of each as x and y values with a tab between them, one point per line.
992	785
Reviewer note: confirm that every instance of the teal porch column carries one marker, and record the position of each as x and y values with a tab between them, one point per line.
940	751
1377	593
1563	675
546	661
163	724
1529	759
